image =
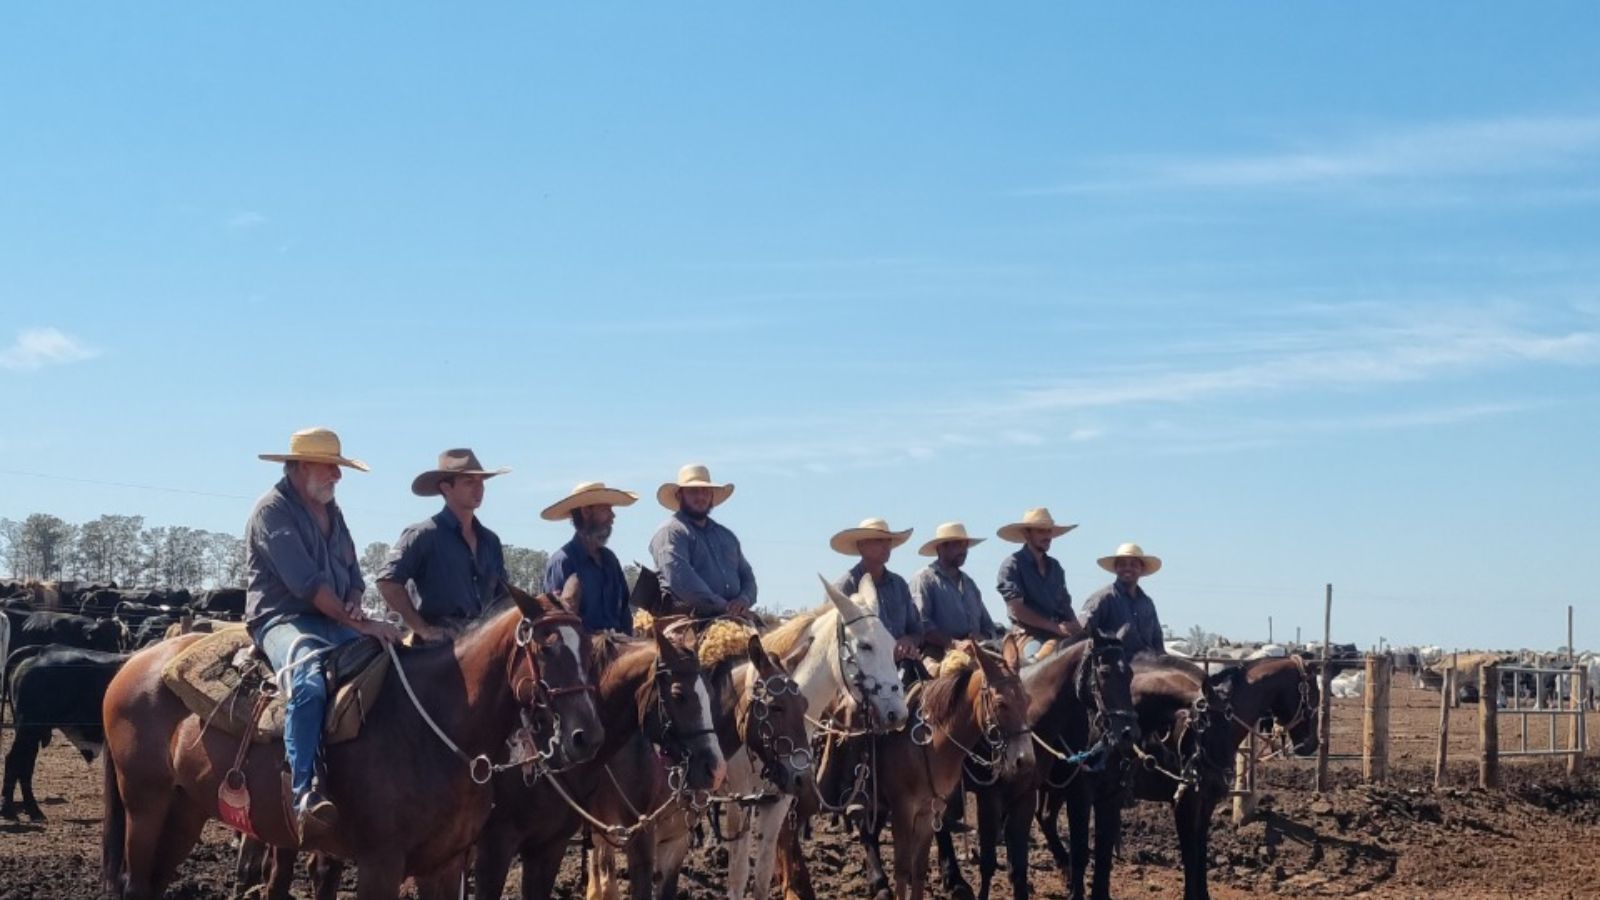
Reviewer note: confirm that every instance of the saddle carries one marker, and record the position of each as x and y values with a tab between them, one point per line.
222	676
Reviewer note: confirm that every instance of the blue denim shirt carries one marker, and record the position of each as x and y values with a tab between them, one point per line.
603	589
288	558
1043	593
952	605
895	609
1111	607
703	567
451	581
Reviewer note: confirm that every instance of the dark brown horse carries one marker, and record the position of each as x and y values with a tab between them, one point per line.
409	804
651	695
1193	725
973	714
1080	706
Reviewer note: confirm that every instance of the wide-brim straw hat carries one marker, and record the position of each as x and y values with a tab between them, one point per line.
1152	564
1033	518
589	493
460	461
692	475
946	533
871	529
318	445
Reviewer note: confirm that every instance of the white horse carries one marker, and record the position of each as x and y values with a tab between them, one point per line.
836	653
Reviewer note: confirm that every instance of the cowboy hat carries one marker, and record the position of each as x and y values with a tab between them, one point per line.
589	493
318	445
460	461
870	529
1033	518
944	534
1152	564
692	475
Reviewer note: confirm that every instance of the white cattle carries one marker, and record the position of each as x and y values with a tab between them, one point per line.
1269	651
1349	684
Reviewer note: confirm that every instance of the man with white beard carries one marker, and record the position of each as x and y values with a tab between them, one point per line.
304	594
602	588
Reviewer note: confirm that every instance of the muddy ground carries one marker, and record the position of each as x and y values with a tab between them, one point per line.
1538	837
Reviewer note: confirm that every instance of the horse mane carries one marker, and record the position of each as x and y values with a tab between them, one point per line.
610	647
939	696
779	641
1154	661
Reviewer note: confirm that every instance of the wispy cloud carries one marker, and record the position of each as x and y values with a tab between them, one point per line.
36	348
1485	147
246	219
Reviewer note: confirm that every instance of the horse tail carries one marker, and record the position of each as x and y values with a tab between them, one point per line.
113	837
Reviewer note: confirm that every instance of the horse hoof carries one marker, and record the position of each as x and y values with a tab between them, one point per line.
34	814
8	813
883	894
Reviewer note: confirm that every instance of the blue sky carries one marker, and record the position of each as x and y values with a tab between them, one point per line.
1289	296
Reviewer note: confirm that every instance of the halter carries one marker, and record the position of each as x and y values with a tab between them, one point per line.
671	738
857	684
769	746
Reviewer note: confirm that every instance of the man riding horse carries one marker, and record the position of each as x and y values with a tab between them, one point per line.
1124	602
604	589
873	541
701	563
456	565
1034	585
304	594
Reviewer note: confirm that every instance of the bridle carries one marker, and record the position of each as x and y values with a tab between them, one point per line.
992	731
861	687
770	747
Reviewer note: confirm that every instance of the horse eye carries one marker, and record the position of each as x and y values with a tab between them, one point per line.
866	647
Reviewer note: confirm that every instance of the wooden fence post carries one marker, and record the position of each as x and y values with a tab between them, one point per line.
1489	726
1375	719
1244	782
1446	695
1325	723
1576	739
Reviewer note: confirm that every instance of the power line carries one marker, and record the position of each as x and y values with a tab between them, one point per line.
122	484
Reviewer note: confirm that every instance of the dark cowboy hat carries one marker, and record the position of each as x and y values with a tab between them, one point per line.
460	461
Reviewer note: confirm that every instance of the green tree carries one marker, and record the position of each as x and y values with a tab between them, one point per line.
525	567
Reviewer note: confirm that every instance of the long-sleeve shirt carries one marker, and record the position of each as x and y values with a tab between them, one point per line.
602	588
452	581
1112	607
895	609
1044	593
702	566
288	558
950	604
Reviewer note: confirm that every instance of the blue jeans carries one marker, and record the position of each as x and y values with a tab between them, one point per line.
308	690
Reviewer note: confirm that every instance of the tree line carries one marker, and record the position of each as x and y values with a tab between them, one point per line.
124	550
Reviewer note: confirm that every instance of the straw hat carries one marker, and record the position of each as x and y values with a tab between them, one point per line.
870	529
459	461
1033	518
944	534
692	475
319	445
589	493
1152	564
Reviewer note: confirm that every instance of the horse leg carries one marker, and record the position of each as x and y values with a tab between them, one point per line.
1107	828
248	865
670	854
1078	803
378	878
326	872
949	865
771	820
792	862
741	822
641	851
491	864
145	808
540	866
990	819
1016	826
1048	811
444	883
877	880
179	834
913	830
1191	846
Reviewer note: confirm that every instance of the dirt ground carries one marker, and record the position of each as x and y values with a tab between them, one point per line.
1537	837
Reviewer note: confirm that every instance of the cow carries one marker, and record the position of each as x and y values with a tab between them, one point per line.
72	630
55	688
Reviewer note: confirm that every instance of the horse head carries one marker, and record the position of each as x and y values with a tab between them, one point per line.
1105	685
1005	722
866	658
1294	704
678	717
772	721
551	676
647	593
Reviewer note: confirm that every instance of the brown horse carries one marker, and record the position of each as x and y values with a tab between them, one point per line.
970	714
650	692
409	803
1194	724
1080	706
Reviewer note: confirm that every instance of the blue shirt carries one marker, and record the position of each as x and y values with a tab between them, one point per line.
288	558
603	589
1111	607
702	567
452	582
895	609
1044	593
951	605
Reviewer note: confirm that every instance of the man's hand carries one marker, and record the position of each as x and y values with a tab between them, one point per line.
431	634
383	631
1069	630
907	647
738	607
352	608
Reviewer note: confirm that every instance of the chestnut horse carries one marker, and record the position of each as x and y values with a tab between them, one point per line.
1193	725
973	713
650	692
409	802
1080	705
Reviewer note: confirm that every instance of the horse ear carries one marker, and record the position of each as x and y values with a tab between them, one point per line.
868	592
1011	651
764	663
985	664
571	592
846	607
791	660
525	601
646	592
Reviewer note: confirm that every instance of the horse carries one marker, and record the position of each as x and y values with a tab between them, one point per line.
974	712
1080	706
1193	724
838	654
755	706
651	691
411	787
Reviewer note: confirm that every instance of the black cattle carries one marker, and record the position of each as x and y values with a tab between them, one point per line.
151	630
56	688
71	630
224	603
